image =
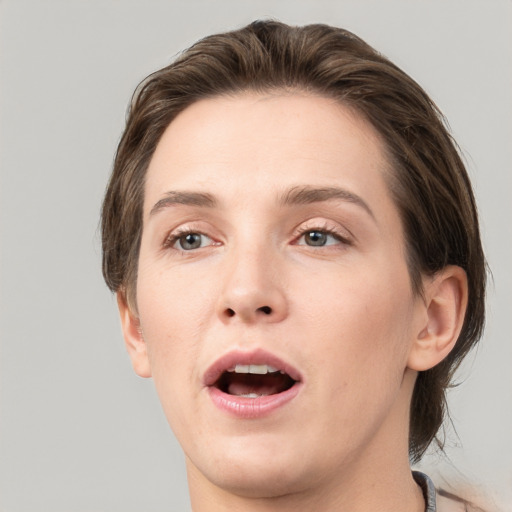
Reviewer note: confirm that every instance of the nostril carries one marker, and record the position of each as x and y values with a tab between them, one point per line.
266	310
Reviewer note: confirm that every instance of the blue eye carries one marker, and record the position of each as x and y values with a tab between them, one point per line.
190	241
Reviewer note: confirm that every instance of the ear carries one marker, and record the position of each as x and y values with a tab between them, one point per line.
133	338
446	297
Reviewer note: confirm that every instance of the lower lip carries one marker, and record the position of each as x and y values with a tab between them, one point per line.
252	408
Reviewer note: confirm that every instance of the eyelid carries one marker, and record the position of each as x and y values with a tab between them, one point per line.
344	236
173	236
177	239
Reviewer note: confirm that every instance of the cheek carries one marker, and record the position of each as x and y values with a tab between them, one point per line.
361	323
172	312
174	308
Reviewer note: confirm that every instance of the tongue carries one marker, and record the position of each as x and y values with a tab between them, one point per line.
245	384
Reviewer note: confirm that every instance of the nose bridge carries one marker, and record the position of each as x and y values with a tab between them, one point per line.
252	288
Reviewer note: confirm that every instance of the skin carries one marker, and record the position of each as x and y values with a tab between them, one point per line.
343	314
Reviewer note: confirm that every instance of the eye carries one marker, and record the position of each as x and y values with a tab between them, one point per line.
189	241
319	238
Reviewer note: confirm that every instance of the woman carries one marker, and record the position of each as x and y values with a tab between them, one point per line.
295	249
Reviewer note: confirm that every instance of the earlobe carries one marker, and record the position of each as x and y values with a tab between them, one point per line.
133	337
446	296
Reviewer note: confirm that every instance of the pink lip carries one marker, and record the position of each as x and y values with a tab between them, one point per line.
252	408
243	407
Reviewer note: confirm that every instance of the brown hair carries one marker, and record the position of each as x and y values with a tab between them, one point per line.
429	183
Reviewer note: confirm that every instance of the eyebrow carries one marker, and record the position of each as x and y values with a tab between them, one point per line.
184	198
307	195
299	195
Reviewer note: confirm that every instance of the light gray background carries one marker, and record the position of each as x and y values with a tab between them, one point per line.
79	431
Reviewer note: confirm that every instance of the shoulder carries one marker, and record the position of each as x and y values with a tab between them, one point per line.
440	500
447	504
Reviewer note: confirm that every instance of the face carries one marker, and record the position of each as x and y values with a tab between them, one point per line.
271	246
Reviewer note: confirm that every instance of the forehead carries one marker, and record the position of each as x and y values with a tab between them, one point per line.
267	141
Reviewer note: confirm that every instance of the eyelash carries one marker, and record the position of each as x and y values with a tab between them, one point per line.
301	232
171	240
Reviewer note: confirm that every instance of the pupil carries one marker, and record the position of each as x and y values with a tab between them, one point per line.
191	241
316	238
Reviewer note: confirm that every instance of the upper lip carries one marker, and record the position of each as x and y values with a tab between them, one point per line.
258	356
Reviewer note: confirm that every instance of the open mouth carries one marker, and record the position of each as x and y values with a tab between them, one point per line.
253	381
251	385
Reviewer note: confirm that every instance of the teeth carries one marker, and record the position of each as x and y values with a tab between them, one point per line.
251	395
259	369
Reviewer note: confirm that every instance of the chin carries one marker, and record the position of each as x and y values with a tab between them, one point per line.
261	482
257	472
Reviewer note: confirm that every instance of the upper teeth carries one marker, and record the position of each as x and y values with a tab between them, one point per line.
260	369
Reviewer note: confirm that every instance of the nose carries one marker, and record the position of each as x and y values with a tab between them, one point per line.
252	290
